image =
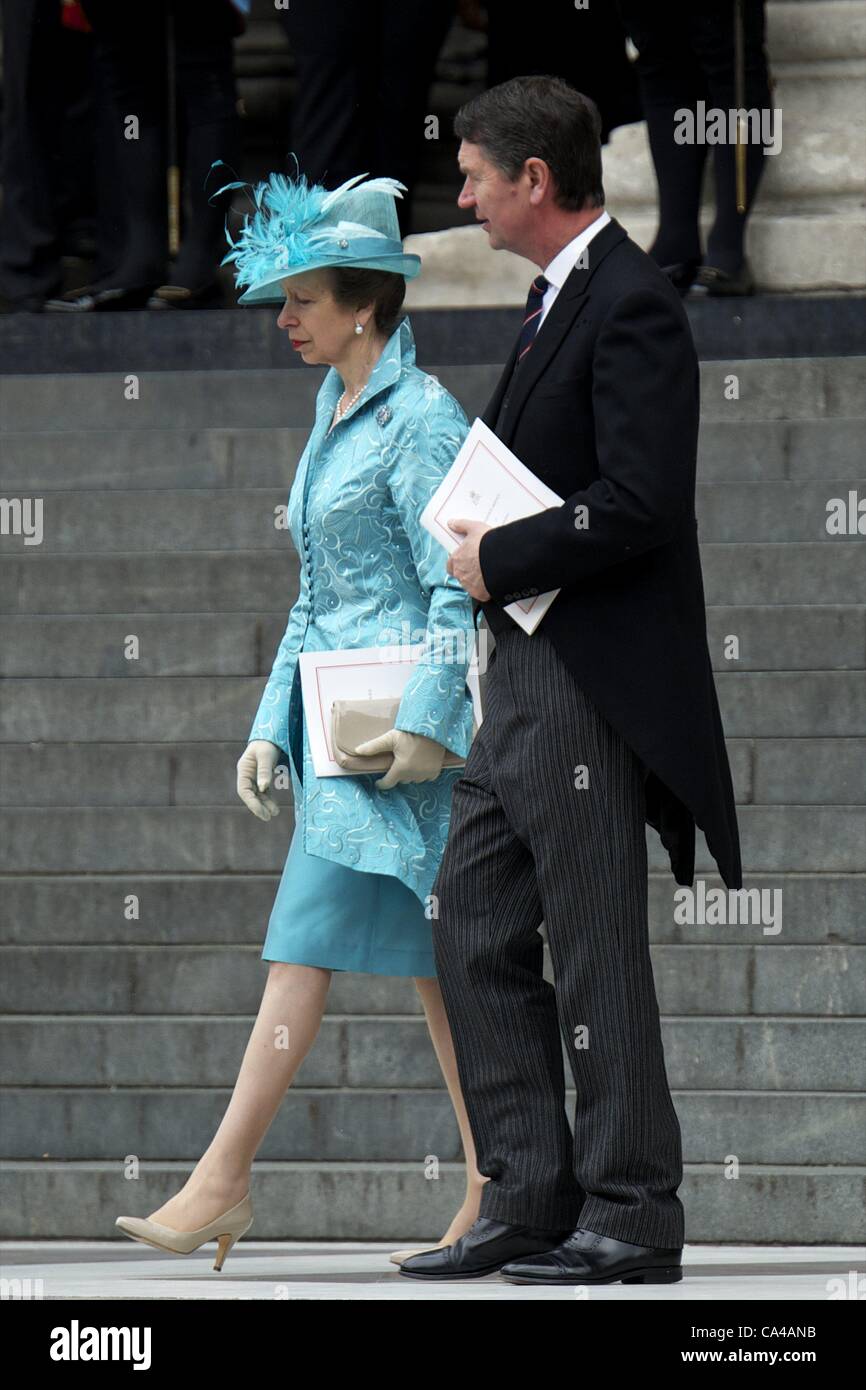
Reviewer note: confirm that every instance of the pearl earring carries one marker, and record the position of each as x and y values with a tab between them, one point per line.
359	328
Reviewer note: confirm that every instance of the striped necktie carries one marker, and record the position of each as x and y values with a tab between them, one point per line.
531	317
525	341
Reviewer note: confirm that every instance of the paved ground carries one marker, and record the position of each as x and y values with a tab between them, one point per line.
91	1270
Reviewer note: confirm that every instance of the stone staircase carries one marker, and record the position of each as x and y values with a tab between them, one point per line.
123	1030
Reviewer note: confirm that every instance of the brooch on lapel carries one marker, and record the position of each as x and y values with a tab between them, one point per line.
383	414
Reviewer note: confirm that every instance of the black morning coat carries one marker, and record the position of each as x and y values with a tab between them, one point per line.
604	409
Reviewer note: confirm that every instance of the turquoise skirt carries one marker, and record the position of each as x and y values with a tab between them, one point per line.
330	915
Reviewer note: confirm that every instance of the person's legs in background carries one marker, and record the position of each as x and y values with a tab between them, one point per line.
686	53
713	40
586	47
133	53
670	79
30	265
331	43
410	37
208	130
363	75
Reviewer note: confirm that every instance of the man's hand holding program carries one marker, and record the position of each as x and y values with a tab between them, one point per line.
463	562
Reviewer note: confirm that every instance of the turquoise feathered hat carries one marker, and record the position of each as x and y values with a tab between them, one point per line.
300	226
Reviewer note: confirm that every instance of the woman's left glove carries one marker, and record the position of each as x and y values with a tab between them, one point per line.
417	758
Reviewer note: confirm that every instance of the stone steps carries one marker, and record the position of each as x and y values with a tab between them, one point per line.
756	451
766	771
117	779
223	839
376	1124
799	388
223	909
717	1051
171	520
770	979
783	637
791	1204
754	704
735	573
755	329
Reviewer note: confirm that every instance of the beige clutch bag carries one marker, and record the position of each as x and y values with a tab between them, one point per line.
356	721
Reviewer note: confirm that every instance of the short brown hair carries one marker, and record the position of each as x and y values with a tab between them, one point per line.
544	118
353	286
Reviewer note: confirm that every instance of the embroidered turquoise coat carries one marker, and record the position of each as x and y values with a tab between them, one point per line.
370	575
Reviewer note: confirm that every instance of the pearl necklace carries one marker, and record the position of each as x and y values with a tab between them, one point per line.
341	409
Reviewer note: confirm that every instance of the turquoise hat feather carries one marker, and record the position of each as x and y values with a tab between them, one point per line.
299	226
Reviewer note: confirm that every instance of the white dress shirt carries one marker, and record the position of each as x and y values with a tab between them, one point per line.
564	262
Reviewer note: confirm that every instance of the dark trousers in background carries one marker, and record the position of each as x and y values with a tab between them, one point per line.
48	161
363	75
686	54
526	844
131	43
584	47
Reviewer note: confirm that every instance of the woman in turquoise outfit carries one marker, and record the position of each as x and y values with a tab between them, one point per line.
355	892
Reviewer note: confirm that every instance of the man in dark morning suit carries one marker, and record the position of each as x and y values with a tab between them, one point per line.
602	720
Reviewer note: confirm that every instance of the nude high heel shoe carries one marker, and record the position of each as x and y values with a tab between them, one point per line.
398	1256
225	1230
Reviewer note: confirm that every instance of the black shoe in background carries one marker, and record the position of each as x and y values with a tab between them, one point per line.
681	275
710	280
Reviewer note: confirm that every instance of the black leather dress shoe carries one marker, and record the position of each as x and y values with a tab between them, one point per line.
90	299
587	1258
681	275
710	280
483	1249
182	297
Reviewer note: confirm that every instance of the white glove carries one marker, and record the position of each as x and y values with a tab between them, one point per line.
255	776
417	758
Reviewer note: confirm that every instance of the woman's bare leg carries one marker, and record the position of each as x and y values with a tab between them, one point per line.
286	1026
440	1033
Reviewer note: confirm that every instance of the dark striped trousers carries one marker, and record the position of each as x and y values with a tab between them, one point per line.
528	841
